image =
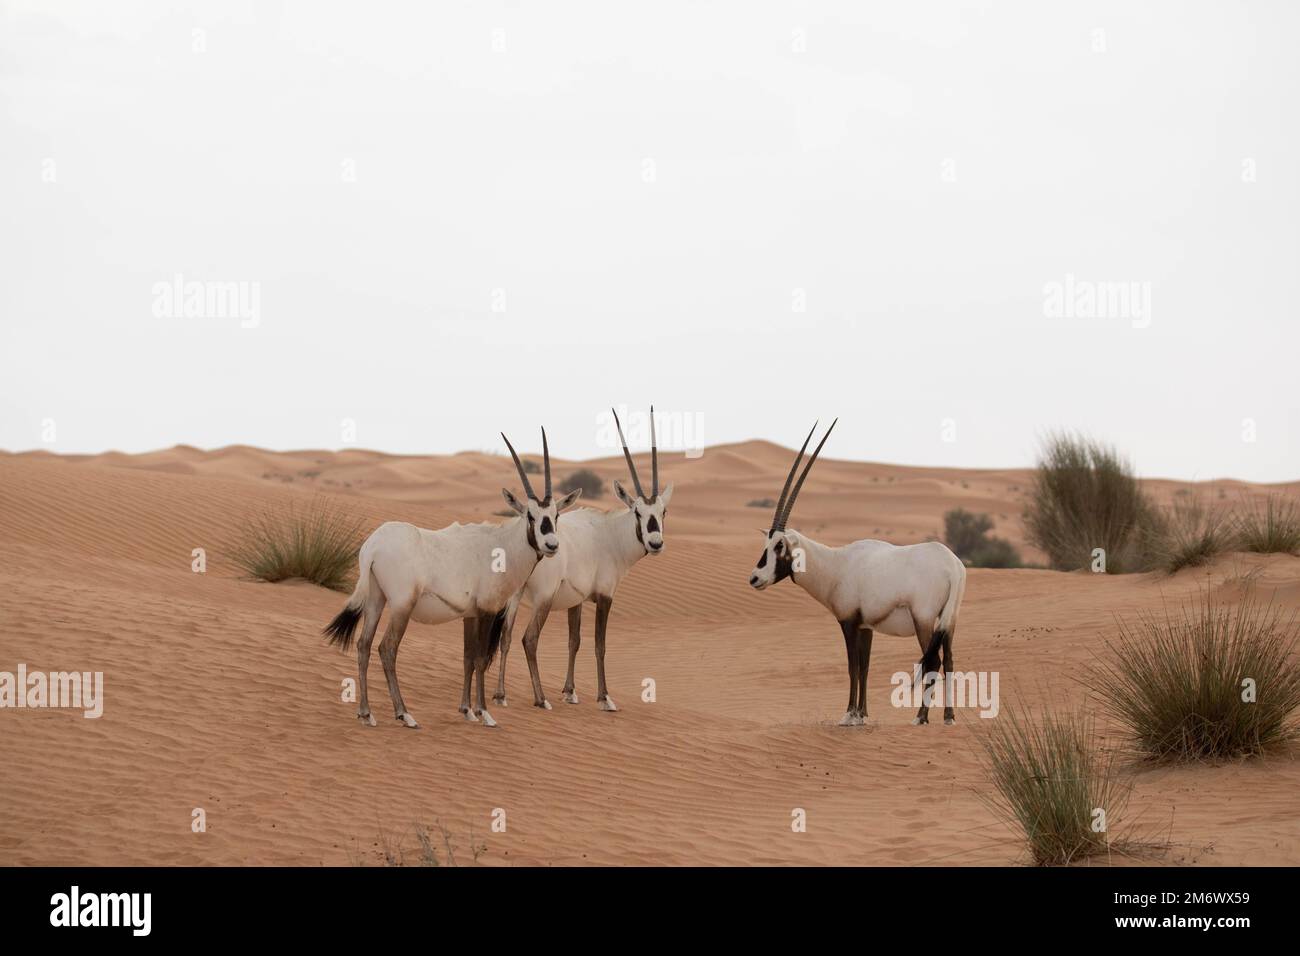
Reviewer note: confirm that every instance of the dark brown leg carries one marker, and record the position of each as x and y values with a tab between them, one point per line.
482	657
575	639
864	658
603	604
471	647
531	637
949	716
397	620
923	634
511	610
850	630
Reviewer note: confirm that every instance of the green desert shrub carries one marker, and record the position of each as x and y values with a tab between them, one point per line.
1084	497
1215	682
967	534
1049	780
1269	528
587	480
1187	534
316	543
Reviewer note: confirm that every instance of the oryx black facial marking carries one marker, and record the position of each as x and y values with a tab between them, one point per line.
777	543
540	514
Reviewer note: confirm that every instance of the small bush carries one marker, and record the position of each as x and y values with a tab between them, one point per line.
1085	497
762	503
531	467
1187	535
967	534
1218	682
319	545
587	480
1271	528
1048	780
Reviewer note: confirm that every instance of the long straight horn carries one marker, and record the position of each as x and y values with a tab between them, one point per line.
523	475
806	468
546	457
780	502
654	457
628	455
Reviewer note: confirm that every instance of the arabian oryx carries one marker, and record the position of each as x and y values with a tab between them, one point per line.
461	571
599	550
869	586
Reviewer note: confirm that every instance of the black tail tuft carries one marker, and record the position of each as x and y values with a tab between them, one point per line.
494	637
339	631
929	663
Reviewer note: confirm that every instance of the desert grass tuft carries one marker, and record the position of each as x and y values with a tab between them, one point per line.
1050	781
1188	534
1085	496
1269	528
1216	682
318	543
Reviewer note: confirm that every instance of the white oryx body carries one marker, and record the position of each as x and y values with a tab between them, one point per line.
886	586
599	550
460	571
908	590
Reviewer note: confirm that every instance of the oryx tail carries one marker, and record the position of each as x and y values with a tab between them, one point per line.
339	631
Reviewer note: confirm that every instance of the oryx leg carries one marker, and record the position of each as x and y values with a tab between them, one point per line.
471	647
923	635
575	639
531	637
374	608
482	657
864	658
603	604
949	716
850	630
512	608
397	620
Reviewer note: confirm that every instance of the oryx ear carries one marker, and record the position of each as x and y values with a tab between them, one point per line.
513	502
623	496
666	495
568	500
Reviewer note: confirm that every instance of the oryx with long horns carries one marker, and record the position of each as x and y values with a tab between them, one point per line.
869	586
460	571
599	550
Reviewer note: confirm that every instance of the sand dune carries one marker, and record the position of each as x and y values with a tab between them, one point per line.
220	693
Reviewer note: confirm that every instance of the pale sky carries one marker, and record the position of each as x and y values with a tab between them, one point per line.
462	218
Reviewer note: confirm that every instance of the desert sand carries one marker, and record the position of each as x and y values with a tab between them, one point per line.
220	693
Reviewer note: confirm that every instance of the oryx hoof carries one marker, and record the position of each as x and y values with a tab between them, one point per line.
368	720
918	721
608	704
545	704
407	719
850	719
570	696
470	716
948	721
500	699
487	719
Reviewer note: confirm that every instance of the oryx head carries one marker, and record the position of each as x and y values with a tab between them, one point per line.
648	512
540	515
778	558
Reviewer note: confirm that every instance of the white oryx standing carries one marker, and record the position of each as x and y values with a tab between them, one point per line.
869	585
599	550
460	571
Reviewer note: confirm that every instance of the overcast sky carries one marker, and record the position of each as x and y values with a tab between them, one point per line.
456	218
